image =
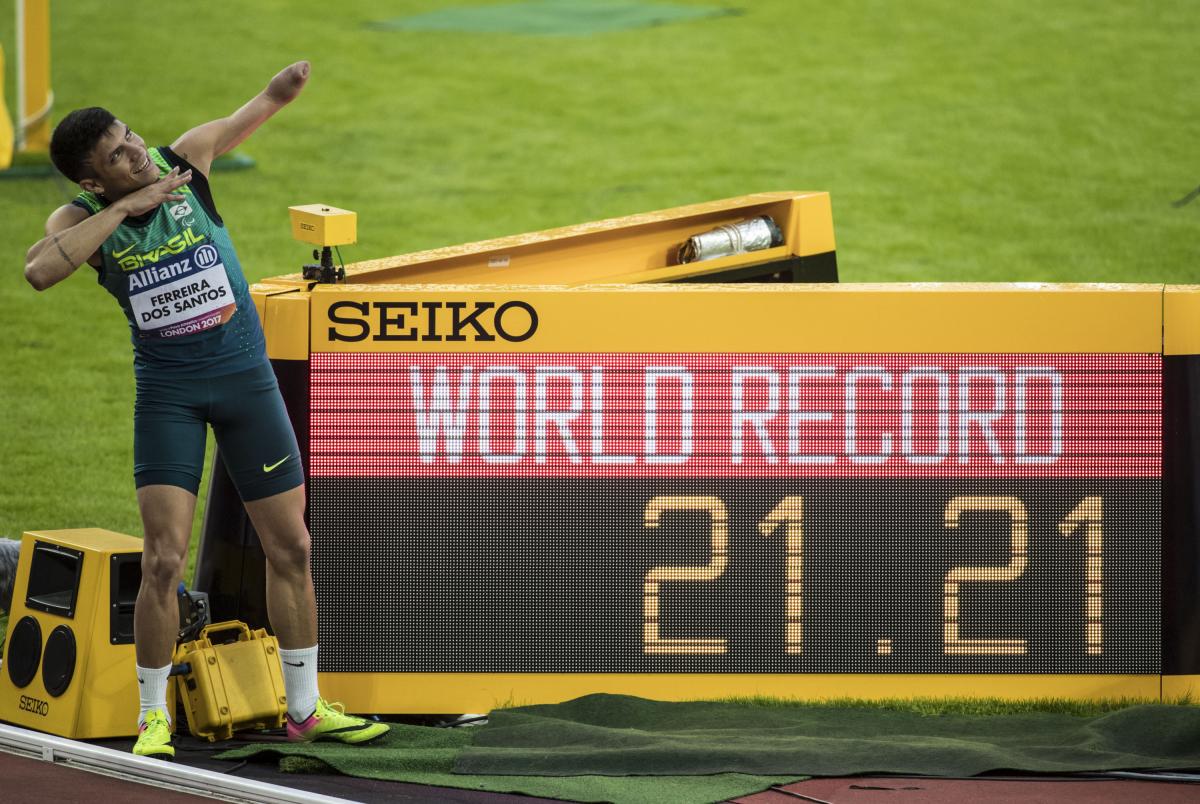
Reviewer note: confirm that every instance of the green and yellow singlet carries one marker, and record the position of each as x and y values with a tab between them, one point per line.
178	279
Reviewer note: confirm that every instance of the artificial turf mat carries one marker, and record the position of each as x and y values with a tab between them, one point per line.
625	749
422	755
618	735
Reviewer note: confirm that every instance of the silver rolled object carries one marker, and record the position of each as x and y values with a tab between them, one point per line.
754	234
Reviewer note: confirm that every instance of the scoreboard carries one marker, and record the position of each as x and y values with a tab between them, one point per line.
776	512
529	492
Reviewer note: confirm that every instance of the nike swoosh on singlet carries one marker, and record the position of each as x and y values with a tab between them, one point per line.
275	465
119	254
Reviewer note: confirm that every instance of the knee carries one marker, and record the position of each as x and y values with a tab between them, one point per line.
291	552
163	563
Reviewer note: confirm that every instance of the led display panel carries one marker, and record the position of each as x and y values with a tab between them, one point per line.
522	508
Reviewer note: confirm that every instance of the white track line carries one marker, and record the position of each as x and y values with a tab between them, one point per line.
107	761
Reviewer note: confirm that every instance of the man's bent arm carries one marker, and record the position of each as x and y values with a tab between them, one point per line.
206	142
73	237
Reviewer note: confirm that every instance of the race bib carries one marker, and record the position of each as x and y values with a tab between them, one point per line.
182	294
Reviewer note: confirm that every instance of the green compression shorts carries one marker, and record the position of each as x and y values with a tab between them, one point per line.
254	434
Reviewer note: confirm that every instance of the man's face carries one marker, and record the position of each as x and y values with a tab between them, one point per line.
120	163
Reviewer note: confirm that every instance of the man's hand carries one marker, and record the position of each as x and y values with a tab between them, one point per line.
286	85
150	196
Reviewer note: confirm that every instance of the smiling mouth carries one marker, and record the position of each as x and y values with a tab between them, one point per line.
143	166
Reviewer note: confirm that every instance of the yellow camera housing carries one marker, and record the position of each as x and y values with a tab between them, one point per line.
323	225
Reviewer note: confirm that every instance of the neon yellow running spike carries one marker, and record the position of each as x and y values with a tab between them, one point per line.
154	737
330	722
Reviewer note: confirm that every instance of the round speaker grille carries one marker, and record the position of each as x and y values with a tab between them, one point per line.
58	663
24	651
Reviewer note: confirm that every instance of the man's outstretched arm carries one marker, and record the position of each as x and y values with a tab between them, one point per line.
206	142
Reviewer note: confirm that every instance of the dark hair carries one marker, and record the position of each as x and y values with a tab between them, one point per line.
74	138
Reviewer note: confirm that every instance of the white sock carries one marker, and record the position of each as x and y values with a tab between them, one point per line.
152	690
300	681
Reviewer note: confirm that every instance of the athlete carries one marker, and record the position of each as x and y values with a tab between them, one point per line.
147	223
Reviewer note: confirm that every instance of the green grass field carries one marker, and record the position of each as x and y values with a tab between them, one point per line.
989	141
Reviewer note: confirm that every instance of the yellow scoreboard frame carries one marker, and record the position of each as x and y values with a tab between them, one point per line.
1128	352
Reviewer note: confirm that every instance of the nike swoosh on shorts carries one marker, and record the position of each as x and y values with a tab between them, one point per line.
275	465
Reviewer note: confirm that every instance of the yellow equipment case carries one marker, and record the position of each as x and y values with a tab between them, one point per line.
231	685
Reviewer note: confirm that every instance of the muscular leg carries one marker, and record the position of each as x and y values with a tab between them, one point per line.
291	603
292	606
167	522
